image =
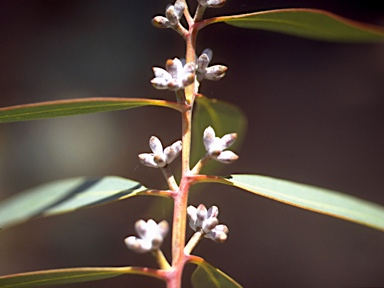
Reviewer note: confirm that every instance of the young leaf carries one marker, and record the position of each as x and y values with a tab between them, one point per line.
222	116
70	275
312	198
64	196
70	107
207	276
309	23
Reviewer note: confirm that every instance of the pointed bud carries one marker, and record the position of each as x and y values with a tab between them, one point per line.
147	160
220	233
163	227
161	73
208	137
160	83
201	212
192	212
215	72
212	3
173	67
209	224
179	8
171	15
136	244
160	22
213	211
228	139
155	145
172	151
202	63
227	157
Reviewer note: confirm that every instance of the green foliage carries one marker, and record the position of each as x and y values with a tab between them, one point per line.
60	108
65	196
66	276
207	276
312	198
309	23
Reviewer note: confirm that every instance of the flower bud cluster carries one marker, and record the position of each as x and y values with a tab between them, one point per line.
173	13
215	146
212	3
215	72
206	222
175	77
151	236
160	157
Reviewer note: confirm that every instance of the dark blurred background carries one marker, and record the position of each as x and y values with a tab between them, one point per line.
315	112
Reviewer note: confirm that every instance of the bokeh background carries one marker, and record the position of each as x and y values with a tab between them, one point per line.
315	113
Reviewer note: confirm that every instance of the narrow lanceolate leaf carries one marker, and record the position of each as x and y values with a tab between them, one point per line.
64	196
308	23
208	276
60	108
70	275
312	198
223	117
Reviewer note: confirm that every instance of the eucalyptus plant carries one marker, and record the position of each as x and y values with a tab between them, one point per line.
183	78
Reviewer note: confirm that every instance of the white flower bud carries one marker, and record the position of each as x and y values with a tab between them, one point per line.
161	22
160	157
206	222
208	137
212	3
141	227
215	72
175	77
228	139
174	67
172	151
179	8
161	73
209	224
155	145
171	15
160	83
192	212
147	160
202	63
215	146
213	211
219	233
151	236
163	228
201	212
227	157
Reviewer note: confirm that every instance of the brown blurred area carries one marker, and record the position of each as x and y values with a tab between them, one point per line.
316	116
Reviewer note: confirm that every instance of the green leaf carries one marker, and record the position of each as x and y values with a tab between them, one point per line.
312	198
64	196
207	276
69	107
309	23
70	275
223	117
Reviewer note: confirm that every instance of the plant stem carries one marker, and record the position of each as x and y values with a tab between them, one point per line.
193	242
199	165
161	260
180	196
170	178
179	222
